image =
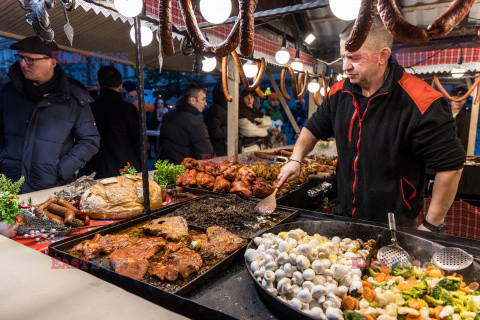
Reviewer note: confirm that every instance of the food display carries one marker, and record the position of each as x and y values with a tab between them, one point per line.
271	171
227	177
119	197
62	212
73	192
163	252
323	278
232	213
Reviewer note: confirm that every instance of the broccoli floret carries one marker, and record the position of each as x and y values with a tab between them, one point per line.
423	277
432	302
374	305
382	284
416	292
352	315
371	272
477	316
450	283
442	294
402	269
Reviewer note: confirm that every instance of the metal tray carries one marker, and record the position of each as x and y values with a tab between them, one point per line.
290	214
423	250
61	249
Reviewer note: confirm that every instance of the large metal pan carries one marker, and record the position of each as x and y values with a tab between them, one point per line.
419	248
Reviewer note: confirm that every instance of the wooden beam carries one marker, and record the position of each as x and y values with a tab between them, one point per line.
472	135
283	103
232	116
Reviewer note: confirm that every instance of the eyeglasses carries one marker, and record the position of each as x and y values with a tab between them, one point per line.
29	61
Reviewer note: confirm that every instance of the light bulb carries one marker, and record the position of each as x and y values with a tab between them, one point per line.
208	64
250	69
282	56
145	34
322	91
310	38
345	9
313	86
129	8
215	11
458	72
297	65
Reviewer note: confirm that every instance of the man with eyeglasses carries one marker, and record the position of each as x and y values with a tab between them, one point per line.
47	130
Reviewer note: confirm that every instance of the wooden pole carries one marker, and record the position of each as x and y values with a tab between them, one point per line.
472	135
283	103
232	129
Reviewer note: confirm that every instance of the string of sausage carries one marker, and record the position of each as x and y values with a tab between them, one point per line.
226	93
302	89
436	82
298	89
259	91
362	25
315	95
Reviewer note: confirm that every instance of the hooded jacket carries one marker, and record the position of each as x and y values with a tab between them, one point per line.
46	142
183	134
385	142
217	122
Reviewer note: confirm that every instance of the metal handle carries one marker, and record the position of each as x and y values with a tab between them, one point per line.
392	226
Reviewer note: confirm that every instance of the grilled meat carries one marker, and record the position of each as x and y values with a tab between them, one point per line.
189	178
178	261
171	228
241	188
102	244
205	180
261	188
246	175
230	173
221	185
219	241
190	163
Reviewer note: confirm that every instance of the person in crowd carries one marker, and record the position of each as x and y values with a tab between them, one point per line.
132	96
47	130
252	124
257	103
119	127
272	108
154	120
461	115
182	133
217	122
389	126
275	138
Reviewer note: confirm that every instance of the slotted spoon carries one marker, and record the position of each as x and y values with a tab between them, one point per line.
393	253
452	259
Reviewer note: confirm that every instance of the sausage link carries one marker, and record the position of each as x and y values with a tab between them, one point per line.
302	102
226	93
400	28
454	14
247	26
477	98
53	217
302	88
315	99
449	97
260	93
46	203
282	85
362	26
165	26
258	78
325	86
294	83
86	221
231	43
68	214
68	205
238	64
193	30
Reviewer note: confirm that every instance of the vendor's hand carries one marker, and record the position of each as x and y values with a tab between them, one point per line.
289	171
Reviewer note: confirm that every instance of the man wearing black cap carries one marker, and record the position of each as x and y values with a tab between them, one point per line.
47	130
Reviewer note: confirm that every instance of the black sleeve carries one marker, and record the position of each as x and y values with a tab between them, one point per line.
435	141
200	140
133	122
216	129
320	123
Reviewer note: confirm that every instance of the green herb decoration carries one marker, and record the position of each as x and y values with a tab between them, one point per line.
9	201
167	173
128	169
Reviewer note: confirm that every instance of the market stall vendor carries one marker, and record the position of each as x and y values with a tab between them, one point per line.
389	126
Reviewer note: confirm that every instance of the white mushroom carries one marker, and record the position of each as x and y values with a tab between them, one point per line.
273	291
296	289
293	258
330	288
304	295
317	313
318	267
292	242
336	302
272	252
271	266
254	266
251	255
308	285
297	304
327	263
336	240
304	249
265	284
321	299
261	248
297	278
258	241
283	246
342	291
269	276
308	274
334	314
259	273
294	234
338	271
279	274
319	280
318	291
284	286
302	262
356	285
287	267
282	258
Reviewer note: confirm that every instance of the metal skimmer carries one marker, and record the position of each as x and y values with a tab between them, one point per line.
393	253
452	259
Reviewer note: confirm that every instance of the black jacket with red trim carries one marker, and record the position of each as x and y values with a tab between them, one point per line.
383	154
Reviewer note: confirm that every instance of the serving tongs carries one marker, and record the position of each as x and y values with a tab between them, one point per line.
393	253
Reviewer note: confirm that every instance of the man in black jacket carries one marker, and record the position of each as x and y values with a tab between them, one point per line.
47	130
389	126
182	133
119	127
217	122
461	114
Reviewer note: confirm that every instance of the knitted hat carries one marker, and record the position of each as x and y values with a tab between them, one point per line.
272	96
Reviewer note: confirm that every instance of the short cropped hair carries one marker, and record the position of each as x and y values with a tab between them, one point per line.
458	91
109	77
193	90
377	38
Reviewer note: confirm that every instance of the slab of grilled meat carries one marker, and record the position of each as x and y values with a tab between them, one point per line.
178	261
131	261
219	241
102	244
171	228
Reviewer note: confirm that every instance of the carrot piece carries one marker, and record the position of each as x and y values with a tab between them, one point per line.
473	286
350	303
367	284
417	304
379	277
385	270
367	316
369	294
437	311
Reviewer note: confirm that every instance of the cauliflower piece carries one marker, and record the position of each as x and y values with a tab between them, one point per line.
364	304
447	311
392	310
413	312
386	317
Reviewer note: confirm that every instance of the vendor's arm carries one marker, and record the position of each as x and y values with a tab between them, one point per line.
443	194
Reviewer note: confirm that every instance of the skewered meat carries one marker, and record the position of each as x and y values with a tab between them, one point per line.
261	188
131	261
283	190
171	228
178	260
102	244
221	185
189	178
241	188
230	173
219	241
205	180
246	174
190	163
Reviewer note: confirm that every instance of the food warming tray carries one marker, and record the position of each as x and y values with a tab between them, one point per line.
420	249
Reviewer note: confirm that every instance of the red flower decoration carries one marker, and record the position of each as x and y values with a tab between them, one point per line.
128	164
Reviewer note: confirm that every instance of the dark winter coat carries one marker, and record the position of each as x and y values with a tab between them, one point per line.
119	128
183	134
46	142
384	144
462	123
217	122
